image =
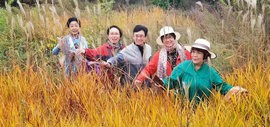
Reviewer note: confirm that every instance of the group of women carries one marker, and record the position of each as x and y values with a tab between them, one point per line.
184	69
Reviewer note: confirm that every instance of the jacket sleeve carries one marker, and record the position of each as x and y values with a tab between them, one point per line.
86	44
55	50
91	54
117	60
188	55
174	79
218	83
150	68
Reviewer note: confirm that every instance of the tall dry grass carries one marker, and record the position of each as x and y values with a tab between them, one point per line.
41	99
34	92
33	31
234	34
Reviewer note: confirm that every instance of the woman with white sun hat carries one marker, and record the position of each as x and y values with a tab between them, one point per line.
170	55
195	78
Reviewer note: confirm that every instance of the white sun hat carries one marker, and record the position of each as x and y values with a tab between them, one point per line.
202	44
167	30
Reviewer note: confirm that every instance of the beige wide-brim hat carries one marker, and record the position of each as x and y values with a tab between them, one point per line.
167	30
202	44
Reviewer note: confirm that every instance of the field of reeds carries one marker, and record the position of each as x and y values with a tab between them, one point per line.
33	91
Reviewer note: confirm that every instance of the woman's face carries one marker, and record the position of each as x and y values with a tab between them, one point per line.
169	42
197	57
139	38
114	35
74	28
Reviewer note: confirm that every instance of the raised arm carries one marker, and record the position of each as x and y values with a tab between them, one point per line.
116	60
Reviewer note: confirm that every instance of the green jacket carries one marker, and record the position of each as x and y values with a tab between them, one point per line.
195	84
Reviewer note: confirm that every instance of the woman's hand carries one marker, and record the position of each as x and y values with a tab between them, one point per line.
138	84
61	42
106	64
80	51
236	91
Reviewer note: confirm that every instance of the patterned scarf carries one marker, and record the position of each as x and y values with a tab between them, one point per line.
75	60
116	47
162	61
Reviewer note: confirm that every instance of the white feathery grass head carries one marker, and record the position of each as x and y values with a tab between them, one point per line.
99	9
87	10
239	13
200	4
254	4
20	21
21	7
263	8
259	21
241	2
77	12
60	3
53	10
44	10
94	9
229	2
189	35
30	27
245	16
29	30
8	8
238	2
252	23
229	11
12	26
222	25
76	3
42	19
38	5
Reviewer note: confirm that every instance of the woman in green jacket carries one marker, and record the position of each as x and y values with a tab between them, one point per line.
195	78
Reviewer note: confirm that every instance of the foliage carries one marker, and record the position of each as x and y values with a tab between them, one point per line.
171	3
3	38
10	2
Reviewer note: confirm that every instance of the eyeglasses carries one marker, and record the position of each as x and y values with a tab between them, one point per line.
166	37
139	36
114	33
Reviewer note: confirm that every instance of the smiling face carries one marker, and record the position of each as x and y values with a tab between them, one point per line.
139	38
114	35
197	57
74	28
169	42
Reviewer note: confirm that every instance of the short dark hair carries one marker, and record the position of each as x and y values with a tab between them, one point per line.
138	28
73	19
206	54
114	26
172	34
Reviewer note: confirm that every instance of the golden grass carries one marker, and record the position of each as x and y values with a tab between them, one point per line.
41	99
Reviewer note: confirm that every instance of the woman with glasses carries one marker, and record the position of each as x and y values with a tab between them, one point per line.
110	48
163	62
133	57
